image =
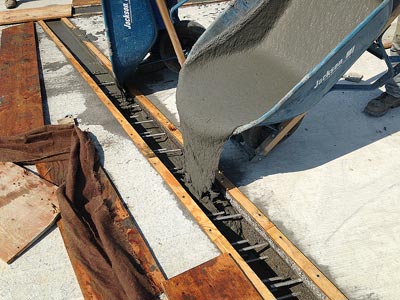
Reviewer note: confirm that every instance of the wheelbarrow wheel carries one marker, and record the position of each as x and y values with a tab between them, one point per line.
188	33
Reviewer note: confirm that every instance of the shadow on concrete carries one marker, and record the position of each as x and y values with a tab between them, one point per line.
333	128
153	82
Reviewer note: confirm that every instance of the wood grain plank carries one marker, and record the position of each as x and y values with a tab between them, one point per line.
220	278
28	207
20	97
176	44
81	3
33	14
267	145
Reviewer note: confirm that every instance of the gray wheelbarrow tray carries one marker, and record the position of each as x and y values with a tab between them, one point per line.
325	74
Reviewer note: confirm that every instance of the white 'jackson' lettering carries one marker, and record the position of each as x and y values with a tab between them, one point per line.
127	15
332	70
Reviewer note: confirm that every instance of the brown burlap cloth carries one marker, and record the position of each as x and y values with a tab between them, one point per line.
99	245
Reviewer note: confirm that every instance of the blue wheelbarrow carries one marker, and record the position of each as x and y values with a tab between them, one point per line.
136	31
304	87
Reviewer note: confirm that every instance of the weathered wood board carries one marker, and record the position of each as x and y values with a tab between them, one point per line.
80	3
20	98
219	279
28	207
14	16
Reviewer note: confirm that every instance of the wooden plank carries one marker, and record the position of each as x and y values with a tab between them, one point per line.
208	227
219	278
162	7
33	14
98	54
323	283
28	207
395	13
20	97
267	145
81	3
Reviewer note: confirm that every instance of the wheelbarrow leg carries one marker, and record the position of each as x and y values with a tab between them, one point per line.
270	142
171	31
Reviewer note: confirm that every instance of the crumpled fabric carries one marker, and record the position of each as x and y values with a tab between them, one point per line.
95	239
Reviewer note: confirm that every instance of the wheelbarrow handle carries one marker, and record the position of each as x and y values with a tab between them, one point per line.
395	13
175	8
162	7
378	50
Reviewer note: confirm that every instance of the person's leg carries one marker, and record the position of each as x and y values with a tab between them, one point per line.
391	98
393	85
10	4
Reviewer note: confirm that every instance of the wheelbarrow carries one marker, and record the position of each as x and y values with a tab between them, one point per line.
269	118
136	31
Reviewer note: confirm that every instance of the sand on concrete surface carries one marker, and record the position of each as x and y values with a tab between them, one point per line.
240	69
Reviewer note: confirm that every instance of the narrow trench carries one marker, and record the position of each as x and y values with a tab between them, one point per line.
272	269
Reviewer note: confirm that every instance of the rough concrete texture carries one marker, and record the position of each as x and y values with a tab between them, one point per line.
94	29
25	4
245	63
44	271
332	187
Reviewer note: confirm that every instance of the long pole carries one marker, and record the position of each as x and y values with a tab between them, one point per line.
171	31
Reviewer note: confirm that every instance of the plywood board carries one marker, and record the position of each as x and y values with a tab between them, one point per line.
20	98
28	207
79	3
14	16
220	279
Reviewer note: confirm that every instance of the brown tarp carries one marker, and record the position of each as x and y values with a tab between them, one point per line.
99	245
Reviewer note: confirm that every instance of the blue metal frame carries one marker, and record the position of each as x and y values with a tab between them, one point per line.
378	50
174	9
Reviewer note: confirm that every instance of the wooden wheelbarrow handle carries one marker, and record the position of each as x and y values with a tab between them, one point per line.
162	7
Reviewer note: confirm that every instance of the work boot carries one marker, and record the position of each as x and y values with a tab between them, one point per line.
381	105
10	4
